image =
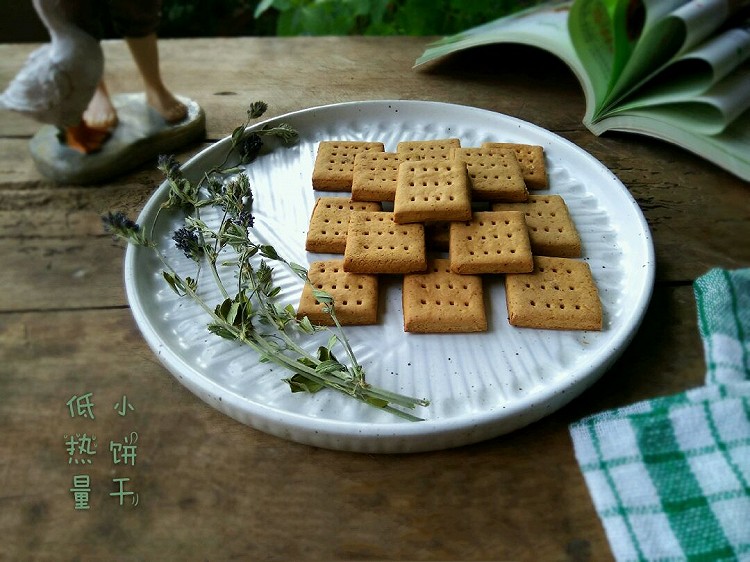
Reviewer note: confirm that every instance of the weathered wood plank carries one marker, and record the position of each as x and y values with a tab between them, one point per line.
225	75
16	166
200	474
48	274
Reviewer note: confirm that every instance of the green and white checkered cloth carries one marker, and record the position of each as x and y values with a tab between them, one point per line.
670	477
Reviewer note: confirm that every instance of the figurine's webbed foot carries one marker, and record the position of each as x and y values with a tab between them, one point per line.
85	139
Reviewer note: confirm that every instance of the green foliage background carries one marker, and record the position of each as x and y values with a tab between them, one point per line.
205	18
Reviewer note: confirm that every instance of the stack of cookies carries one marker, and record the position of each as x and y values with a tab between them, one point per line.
445	217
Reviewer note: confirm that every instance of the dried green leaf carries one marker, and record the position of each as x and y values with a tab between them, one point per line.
332	341
325	354
306	361
269	252
237	134
329	366
174	282
273	293
221	331
299	270
306	326
323	297
299	383
376	402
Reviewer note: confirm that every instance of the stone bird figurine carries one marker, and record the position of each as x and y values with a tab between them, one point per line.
58	79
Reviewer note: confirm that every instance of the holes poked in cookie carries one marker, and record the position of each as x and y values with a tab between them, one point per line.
329	223
440	301
559	293
333	169
494	174
431	190
552	231
492	242
376	244
355	295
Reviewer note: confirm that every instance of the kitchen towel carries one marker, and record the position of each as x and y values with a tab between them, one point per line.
670	477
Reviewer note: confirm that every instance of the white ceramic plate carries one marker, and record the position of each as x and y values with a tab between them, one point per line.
480	385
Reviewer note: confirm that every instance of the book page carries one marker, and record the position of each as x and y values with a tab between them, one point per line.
710	113
666	37
591	29
695	72
544	26
728	149
605	34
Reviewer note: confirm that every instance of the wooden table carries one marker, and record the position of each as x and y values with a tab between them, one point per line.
210	488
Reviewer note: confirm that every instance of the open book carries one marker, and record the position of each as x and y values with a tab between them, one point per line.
678	70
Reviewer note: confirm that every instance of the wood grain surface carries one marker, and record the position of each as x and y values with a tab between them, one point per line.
210	488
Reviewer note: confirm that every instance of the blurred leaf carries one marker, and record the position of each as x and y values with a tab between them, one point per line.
205	18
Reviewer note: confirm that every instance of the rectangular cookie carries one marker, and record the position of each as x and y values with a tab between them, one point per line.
355	296
374	176
551	228
494	174
334	163
491	242
376	244
559	294
531	159
431	190
329	222
427	149
440	301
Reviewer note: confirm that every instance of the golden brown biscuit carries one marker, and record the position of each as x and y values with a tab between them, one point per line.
427	149
334	163
374	176
531	159
431	190
330	221
376	244
551	228
494	174
491	242
559	294
355	296
439	301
